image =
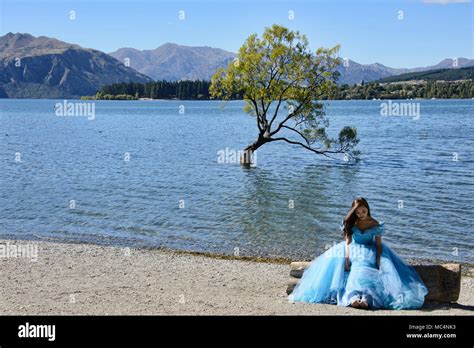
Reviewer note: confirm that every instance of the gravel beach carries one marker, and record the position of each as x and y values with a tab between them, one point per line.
84	279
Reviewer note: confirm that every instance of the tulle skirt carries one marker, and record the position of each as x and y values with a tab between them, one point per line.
396	285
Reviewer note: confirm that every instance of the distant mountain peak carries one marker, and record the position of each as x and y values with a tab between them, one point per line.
170	44
18	35
19	45
173	62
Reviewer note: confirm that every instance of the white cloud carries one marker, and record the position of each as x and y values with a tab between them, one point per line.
446	2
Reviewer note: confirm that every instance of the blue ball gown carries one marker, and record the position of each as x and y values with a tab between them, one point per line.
396	285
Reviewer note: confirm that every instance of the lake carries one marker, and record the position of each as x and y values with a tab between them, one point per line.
149	174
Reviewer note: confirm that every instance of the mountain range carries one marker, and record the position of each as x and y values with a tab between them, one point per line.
460	74
352	72
43	67
174	62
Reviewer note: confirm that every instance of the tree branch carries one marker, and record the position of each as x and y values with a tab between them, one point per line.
297	131
260	127
309	91
280	100
286	119
324	153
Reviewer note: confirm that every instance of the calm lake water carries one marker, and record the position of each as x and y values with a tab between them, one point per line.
173	192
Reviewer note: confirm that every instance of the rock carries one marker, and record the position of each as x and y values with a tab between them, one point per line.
297	268
443	281
291	285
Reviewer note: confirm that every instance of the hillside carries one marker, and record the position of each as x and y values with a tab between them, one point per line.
433	75
42	67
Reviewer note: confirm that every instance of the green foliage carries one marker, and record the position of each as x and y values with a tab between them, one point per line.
281	80
466	73
428	90
200	90
159	90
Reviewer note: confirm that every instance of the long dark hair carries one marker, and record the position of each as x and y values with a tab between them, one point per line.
351	217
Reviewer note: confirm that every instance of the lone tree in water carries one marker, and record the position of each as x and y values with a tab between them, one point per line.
281	81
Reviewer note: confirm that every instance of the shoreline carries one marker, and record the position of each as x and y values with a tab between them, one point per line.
467	269
89	279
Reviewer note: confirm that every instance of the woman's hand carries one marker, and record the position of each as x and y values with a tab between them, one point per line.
347	265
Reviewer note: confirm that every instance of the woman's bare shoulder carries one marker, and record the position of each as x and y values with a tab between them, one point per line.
373	222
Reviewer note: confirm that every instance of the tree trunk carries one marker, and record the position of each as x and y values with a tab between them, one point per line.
247	156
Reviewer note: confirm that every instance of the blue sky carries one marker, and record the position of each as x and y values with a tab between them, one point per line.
368	30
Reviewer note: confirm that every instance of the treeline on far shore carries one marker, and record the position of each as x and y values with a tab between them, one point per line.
404	90
199	90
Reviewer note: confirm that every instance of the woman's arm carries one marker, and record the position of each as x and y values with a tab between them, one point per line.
347	259
378	241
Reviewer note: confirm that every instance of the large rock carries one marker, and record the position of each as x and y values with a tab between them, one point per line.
443	281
